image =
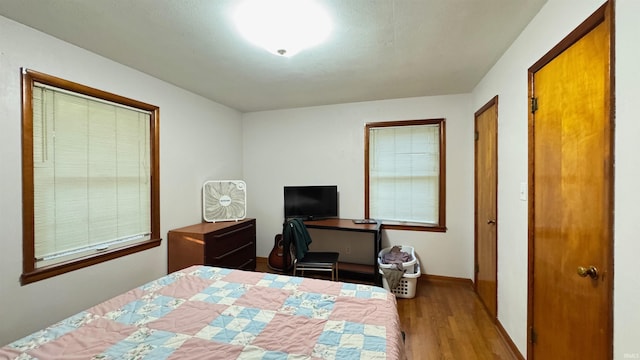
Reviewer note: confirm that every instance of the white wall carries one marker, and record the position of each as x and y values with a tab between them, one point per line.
199	140
325	145
627	197
508	79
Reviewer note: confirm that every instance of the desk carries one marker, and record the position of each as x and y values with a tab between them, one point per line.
349	225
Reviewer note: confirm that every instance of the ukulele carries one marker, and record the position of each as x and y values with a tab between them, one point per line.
277	261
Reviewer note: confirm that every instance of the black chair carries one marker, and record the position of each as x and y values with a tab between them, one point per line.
296	240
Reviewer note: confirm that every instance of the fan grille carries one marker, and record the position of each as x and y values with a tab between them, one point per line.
224	200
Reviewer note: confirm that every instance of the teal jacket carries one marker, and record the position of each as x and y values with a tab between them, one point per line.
295	231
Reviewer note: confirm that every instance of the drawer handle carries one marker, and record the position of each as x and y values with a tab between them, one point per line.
234	251
233	231
246	263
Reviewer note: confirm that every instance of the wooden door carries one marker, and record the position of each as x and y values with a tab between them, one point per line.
571	212
486	175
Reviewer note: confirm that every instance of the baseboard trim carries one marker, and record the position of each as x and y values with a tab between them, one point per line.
450	279
507	339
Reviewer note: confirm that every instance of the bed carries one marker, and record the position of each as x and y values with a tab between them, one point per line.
206	312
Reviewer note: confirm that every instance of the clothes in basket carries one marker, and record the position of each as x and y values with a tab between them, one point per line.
399	253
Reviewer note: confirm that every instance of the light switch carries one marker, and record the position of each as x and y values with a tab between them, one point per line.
523	191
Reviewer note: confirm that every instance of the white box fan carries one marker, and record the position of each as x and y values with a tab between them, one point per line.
224	200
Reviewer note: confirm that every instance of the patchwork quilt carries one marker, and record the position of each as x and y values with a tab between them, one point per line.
216	313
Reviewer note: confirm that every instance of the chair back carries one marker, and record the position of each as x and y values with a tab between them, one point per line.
296	238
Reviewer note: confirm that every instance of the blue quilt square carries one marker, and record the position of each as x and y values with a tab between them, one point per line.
347	353
330	338
375	343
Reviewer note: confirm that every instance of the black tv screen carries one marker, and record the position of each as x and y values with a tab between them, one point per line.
311	202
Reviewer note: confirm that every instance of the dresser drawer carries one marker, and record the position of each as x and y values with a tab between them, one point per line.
242	257
224	244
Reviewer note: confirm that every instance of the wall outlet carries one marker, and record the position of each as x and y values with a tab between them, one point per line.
347	249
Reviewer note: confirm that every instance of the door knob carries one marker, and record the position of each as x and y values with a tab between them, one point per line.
490	222
590	271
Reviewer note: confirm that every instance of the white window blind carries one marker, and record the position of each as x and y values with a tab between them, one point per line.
404	173
91	175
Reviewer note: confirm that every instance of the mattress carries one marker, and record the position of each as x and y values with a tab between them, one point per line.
206	312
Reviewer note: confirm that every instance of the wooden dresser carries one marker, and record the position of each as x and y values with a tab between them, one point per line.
230	244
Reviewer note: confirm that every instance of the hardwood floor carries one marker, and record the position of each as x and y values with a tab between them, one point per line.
446	320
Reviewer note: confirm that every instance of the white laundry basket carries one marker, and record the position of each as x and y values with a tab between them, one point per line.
408	283
409	266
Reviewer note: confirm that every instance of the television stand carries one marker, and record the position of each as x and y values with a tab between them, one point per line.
364	271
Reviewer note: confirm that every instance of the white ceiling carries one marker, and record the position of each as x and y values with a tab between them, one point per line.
379	49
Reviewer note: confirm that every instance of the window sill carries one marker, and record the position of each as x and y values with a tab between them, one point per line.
412	226
53	270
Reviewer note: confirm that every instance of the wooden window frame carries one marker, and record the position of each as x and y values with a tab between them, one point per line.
30	273
405	225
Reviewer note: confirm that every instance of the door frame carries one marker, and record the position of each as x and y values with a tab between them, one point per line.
606	11
485	107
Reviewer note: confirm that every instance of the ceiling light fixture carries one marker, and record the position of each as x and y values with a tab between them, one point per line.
283	27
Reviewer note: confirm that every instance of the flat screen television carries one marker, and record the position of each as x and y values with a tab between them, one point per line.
311	202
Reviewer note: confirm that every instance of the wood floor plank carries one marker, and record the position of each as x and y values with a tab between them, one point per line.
446	320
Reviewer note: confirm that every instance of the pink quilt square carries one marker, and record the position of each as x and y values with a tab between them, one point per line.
291	334
198	349
368	311
185	287
188	318
263	298
116	302
85	342
9	354
244	277
320	286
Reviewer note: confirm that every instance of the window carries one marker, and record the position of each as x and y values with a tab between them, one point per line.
405	174
89	174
